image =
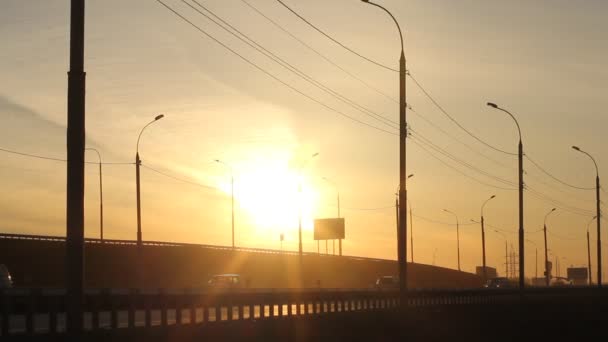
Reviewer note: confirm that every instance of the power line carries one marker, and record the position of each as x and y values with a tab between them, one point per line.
179	179
440	222
56	159
327	59
555	178
457	170
460	161
454	120
261	49
334	40
574	210
563	237
198	28
454	138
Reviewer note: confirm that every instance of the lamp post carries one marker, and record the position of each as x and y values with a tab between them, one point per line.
338	203
457	235
483	240
231	193
411	226
536	258
506	253
402	231
137	164
520	153
598	215
300	205
100	195
589	250
75	141
547	276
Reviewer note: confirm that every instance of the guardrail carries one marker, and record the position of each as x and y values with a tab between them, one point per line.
42	311
8	236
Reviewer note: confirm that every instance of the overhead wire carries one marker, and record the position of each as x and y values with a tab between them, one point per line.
458	170
553	177
179	179
59	159
261	49
460	161
324	57
442	110
198	28
335	40
469	147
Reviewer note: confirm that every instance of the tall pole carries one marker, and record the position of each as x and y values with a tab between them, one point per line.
411	234
137	165
520	156
232	205
457	235
483	239
300	207
547	276
402	231
598	216
338	204
75	173
100	195
340	240
506	261
231	193
589	250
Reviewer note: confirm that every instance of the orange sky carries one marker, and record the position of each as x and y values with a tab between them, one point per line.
543	60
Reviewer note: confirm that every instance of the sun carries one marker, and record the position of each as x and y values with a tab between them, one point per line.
271	191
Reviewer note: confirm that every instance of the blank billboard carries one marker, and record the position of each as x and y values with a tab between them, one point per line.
329	229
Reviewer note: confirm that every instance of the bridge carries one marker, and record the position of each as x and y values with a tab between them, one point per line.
300	314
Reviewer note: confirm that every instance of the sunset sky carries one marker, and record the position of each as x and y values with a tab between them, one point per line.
543	60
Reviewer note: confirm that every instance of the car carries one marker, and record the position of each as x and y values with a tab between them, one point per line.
6	281
560	281
387	282
499	283
225	281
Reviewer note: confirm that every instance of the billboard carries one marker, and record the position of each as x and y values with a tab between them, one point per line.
578	275
329	229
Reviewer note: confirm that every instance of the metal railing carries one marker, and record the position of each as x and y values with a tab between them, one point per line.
42	311
8	236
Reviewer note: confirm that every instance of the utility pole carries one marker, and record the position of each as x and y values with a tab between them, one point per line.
483	239
75	174
547	276
598	216
100	195
589	250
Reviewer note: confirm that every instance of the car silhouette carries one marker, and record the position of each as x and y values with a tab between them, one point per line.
6	281
499	283
225	281
387	282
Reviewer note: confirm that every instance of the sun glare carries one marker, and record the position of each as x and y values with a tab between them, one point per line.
267	195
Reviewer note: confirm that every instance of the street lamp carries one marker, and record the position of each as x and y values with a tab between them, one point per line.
547	277
300	204
598	216
402	231
536	260
506	254
100	195
589	250
520	154
231	193
338	202
411	225
457	235
483	239
137	164
411	222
